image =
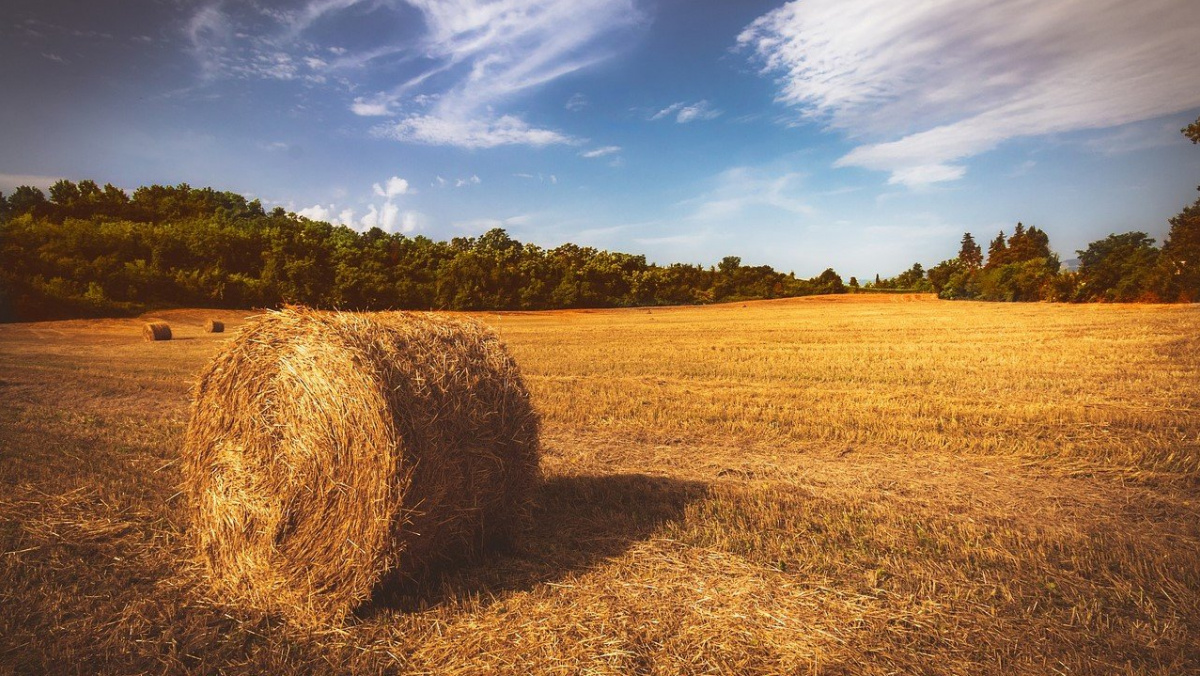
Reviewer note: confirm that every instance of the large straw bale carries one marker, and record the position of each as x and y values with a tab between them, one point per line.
331	455
156	331
214	326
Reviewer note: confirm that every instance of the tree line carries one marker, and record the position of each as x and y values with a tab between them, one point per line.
87	250
1125	267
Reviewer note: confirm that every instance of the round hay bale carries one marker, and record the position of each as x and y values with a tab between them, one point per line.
214	326
330	455
156	331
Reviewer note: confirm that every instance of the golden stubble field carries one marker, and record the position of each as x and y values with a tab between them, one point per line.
849	485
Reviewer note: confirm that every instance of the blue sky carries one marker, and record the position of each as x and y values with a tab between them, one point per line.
859	134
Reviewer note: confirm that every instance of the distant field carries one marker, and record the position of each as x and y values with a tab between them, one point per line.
836	485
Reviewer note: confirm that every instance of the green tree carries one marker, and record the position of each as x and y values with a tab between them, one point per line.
1180	257
912	278
1025	281
28	200
1117	268
1027	244
64	194
969	253
997	252
940	275
828	282
1192	131
1179	262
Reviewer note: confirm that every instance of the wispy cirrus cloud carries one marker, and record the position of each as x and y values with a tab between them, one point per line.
600	152
685	112
933	84
484	54
230	40
471	133
450	80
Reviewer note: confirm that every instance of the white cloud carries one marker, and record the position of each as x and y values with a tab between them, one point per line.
387	216
462	182
470	133
393	187
935	83
390	218
669	110
576	103
209	36
925	174
329	214
372	108
541	178
371	218
697	111
685	112
232	40
601	152
470	59
316	212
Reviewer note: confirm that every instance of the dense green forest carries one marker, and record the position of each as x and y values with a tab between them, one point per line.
87	250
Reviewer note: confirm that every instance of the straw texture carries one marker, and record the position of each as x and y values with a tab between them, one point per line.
331	454
156	331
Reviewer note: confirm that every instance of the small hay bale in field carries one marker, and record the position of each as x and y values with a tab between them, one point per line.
330	455
156	331
214	326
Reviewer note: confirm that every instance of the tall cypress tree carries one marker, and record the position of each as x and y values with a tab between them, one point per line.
997	252
969	254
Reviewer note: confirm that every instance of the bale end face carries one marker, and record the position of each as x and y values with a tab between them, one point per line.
330	455
156	331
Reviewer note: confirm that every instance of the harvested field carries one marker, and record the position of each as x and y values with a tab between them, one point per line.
849	485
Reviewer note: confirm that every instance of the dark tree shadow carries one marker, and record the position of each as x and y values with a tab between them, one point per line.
578	522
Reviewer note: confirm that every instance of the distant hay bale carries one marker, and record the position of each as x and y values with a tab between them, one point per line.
214	326
156	331
330	455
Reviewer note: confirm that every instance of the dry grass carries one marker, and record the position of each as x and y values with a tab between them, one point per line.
850	486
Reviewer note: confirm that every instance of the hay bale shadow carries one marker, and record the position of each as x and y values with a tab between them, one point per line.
578	522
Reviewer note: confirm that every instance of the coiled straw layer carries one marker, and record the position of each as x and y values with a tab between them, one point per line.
330	454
